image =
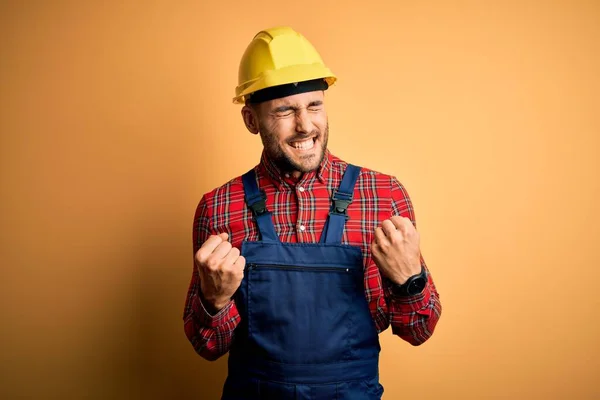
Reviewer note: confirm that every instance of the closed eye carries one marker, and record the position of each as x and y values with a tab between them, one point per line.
285	114
315	105
286	111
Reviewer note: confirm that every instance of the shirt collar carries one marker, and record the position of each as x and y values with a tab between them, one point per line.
279	177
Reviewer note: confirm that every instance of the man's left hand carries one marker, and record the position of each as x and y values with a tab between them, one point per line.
395	249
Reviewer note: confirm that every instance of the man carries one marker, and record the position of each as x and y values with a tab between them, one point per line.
301	262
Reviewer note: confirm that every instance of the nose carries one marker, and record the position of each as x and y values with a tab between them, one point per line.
304	123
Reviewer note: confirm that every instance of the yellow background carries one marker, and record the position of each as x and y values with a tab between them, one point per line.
116	117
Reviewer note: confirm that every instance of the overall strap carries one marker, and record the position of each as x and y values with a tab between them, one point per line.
334	227
257	201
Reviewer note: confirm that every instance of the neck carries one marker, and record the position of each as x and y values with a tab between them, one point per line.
296	174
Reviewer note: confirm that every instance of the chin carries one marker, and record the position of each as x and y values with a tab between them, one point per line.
311	163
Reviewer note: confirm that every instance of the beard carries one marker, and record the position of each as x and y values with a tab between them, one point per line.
284	161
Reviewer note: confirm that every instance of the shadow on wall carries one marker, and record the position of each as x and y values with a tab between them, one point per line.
167	365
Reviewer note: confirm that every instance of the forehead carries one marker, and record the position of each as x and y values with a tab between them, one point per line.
296	100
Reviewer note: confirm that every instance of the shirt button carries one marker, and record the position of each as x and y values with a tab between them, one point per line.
301	188
302	228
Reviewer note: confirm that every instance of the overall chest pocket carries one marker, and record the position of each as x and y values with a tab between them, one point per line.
299	314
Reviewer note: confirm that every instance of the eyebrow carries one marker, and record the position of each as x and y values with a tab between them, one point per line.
293	108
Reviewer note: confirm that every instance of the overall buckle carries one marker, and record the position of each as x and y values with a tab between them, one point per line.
258	205
341	201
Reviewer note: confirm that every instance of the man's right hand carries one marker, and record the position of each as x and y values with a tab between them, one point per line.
221	269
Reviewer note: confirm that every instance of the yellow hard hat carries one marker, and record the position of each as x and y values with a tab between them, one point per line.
278	56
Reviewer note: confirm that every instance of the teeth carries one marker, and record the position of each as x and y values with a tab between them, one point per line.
304	145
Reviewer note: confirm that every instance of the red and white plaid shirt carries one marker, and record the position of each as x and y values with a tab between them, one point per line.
299	211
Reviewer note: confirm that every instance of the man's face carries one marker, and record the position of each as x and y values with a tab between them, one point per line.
294	130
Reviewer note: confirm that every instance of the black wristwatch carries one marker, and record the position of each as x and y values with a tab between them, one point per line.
413	286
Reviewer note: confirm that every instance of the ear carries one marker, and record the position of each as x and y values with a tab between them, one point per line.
250	119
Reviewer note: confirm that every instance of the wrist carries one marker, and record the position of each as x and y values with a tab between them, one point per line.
402	278
213	304
399	279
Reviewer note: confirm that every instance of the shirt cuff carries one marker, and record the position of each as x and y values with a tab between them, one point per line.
410	303
209	320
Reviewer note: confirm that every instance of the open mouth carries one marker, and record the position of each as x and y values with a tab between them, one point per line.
303	145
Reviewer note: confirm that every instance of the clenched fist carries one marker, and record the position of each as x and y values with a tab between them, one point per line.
221	269
395	249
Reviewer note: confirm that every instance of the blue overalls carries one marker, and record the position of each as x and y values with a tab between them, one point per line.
306	331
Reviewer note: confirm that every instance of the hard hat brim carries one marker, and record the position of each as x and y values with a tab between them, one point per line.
285	90
282	76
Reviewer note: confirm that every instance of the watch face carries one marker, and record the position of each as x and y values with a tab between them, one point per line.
417	286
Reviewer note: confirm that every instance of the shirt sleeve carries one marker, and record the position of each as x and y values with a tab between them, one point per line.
413	318
210	335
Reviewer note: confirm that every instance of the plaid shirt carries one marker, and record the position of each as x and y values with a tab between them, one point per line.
299	211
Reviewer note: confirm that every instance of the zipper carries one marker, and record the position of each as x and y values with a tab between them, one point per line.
253	266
